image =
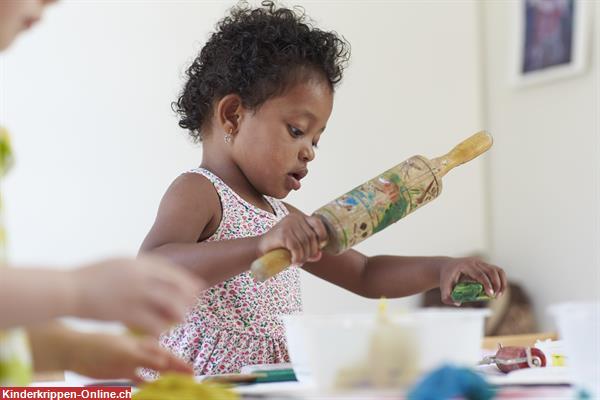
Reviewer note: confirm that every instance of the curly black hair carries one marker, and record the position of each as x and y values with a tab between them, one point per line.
257	53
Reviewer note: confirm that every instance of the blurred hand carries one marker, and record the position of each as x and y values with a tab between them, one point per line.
147	294
490	276
104	356
301	235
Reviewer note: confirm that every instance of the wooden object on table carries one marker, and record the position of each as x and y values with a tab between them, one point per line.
526	340
378	203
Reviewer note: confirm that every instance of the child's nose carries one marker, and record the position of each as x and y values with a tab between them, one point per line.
307	153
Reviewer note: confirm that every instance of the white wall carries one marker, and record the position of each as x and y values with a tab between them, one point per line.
87	96
545	171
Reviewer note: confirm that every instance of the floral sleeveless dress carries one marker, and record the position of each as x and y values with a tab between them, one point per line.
237	322
15	357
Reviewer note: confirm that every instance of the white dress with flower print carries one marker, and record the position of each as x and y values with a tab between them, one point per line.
237	322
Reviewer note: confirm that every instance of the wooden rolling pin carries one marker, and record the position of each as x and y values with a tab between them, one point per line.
378	203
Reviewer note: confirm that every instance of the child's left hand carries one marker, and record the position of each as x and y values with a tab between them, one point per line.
105	356
490	276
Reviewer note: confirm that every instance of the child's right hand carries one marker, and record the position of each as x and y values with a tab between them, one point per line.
147	294
300	234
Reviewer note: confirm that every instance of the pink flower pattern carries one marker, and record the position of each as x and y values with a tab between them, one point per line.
237	322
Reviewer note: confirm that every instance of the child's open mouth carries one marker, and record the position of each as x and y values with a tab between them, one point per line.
294	178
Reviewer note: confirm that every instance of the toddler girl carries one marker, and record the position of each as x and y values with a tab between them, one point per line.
258	97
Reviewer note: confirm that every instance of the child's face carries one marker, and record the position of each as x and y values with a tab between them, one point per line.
17	16
275	144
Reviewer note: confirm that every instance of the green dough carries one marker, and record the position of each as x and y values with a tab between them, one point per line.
465	292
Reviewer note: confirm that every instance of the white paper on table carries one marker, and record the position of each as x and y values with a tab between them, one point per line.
526	376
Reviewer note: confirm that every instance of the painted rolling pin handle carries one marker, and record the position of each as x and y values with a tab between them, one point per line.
273	263
465	151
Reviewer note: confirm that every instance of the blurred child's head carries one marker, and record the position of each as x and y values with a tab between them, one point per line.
17	16
261	91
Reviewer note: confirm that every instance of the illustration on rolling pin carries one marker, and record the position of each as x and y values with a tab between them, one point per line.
378	203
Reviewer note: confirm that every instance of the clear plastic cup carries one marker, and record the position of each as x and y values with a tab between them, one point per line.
578	325
450	336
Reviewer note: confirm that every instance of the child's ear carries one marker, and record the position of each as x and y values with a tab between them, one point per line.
229	112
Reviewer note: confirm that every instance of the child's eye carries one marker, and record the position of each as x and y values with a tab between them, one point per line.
315	145
295	132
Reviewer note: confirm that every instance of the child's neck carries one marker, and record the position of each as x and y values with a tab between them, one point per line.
234	177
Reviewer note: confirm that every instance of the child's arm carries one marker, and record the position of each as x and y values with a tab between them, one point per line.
102	356
396	276
190	212
148	294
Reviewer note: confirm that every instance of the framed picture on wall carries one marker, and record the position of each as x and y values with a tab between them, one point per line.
551	40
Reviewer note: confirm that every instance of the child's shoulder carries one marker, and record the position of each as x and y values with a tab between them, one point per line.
191	180
189	211
192	191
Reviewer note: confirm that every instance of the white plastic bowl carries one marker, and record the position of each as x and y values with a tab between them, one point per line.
321	346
